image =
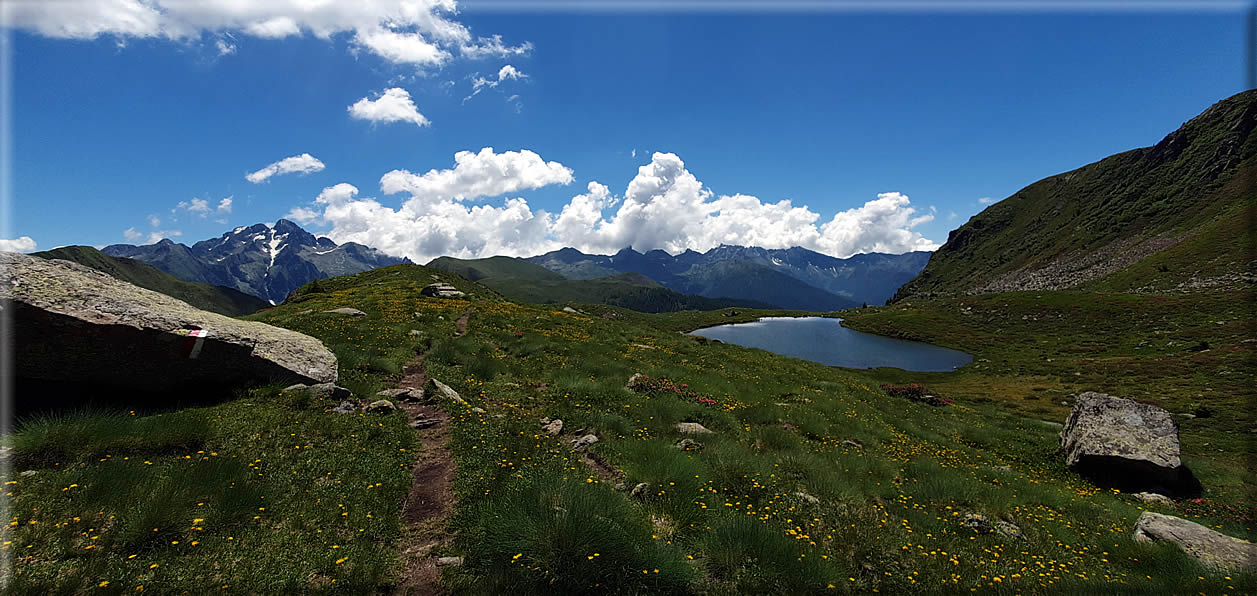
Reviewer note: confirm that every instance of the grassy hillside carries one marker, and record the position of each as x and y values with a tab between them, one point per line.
526	282
812	479
1189	196
217	299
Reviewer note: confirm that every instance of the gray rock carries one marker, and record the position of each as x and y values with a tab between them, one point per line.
634	379
1213	549
421	423
440	390
353	312
1008	530
977	523
568	309
553	428
28	473
305	312
410	394
296	387
449	561
688	445
809	499
853	444
79	326
328	391
1124	443
441	290
582	443
381	406
479	411
692	428
545	421
1154	498
345	407
640	490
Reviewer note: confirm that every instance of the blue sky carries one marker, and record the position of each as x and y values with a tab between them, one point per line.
661	130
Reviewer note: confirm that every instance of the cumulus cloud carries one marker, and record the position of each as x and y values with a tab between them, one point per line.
303	215
393	105
297	164
20	244
417	32
224	206
154	221
664	206
508	72
475	175
136	237
986	200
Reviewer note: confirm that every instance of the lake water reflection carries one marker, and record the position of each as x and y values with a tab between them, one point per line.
826	341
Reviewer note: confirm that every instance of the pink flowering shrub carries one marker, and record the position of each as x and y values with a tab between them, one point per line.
664	386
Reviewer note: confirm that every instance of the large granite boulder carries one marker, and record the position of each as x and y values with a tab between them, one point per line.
441	290
1125	444
1214	549
79	329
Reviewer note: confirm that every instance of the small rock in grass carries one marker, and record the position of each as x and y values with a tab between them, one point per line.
353	312
640	490
477	410
1008	529
977	523
553	428
409	394
439	389
1154	498
633	379
692	428
449	561
1212	548
853	444
345	407
306	311
568	309
807	498
416	333
545	421
382	406
688	445
28	473
422	423
583	442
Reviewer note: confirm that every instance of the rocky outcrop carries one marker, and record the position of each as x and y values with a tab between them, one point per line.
1125	444
1213	549
76	326
441	290
692	428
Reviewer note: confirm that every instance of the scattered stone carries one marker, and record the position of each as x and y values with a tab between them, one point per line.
407	394
449	561
416	333
568	309
305	312
328	391
1008	530
633	379
439	389
1004	469
789	427
809	499
1213	549
583	442
545	421
441	290
381	406
692	428
28	473
345	407
422	423
852	443
79	326
640	490
689	445
553	428
1125	444
977	523
1154	498
353	312
477	410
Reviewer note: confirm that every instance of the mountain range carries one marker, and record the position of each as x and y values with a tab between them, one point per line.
789	278
259	260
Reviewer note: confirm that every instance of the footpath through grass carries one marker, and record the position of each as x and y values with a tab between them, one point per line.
811	480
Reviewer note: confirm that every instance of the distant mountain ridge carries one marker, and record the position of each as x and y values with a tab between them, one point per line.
259	260
219	299
790	278
1176	215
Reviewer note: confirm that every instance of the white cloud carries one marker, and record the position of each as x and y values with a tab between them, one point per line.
225	48
154	221
479	83
633	154
417	32
393	105
494	47
664	206
475	175
136	237
224	206
297	164
986	200
197	206
21	244
303	215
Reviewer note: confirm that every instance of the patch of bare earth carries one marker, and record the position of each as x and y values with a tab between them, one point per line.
431	497
460	326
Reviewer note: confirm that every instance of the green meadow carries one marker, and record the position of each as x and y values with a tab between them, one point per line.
812	479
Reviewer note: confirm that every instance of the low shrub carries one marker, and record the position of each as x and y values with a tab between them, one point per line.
917	392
